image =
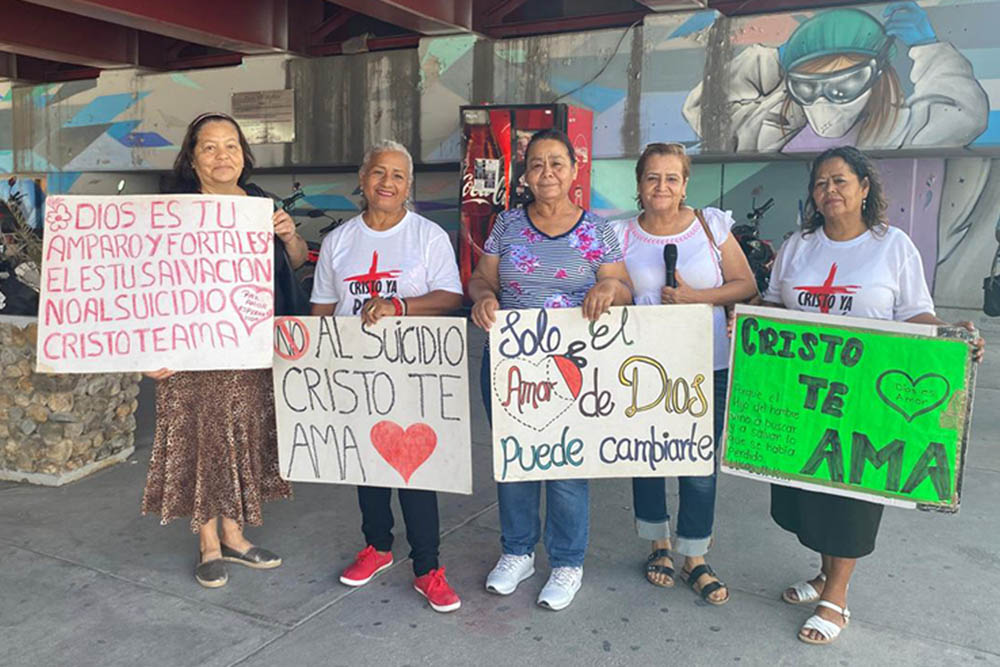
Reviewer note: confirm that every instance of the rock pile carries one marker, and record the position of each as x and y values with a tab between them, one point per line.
57	428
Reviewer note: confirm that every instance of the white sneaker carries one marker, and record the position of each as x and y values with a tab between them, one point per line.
561	587
510	570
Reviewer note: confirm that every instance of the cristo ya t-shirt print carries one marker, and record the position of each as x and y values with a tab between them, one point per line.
356	263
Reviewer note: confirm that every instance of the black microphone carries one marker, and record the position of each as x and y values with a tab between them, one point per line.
670	259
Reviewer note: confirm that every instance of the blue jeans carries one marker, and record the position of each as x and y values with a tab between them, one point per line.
696	509
567	518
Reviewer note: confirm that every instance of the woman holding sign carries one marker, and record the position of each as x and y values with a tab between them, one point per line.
215	453
389	261
710	268
846	260
550	254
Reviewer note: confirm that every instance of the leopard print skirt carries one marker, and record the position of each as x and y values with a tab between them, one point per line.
215	452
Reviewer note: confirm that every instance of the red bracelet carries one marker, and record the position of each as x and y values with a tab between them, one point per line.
397	304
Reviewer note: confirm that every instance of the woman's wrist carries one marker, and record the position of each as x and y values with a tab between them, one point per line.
399	305
487	295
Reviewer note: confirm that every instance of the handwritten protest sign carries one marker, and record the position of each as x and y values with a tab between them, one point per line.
628	396
146	282
386	405
869	409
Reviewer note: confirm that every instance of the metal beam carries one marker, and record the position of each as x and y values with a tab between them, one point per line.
331	24
245	26
501	9
40	32
675	5
407	41
563	24
743	7
8	66
427	17
47	71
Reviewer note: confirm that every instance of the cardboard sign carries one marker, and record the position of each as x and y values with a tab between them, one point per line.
145	282
627	396
870	409
386	405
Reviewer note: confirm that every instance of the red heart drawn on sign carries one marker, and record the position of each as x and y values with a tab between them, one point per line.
253	304
404	450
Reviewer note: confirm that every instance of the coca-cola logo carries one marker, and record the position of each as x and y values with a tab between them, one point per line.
580	148
479	195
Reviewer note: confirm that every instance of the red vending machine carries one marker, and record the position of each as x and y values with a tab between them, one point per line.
494	139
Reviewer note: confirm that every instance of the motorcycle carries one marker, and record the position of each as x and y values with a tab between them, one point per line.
759	252
306	272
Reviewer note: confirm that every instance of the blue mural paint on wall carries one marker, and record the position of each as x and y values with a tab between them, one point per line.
835	82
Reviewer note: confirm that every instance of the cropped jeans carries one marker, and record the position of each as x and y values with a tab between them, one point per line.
696	509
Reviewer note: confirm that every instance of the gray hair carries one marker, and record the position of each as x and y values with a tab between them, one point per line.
387	146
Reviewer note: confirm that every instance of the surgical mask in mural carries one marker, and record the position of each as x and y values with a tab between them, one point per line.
831	120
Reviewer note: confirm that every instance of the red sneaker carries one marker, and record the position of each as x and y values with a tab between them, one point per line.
367	564
437	590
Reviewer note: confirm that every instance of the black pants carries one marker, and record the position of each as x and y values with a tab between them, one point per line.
420	514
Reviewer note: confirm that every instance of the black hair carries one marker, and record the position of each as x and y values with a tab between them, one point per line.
183	179
555	135
873	207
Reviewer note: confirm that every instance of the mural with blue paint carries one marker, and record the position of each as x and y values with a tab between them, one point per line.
836	80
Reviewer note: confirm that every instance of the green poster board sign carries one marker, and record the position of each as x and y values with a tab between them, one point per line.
869	409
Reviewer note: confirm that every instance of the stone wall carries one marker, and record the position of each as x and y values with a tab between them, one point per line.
57	428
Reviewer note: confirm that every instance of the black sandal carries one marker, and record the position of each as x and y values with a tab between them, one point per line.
697	573
666	570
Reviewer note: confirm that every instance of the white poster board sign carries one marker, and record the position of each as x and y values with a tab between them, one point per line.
136	283
386	405
628	396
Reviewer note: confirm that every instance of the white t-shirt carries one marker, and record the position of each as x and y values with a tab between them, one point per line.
879	276
699	263
412	258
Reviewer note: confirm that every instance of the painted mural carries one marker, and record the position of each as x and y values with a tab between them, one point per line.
836	80
893	76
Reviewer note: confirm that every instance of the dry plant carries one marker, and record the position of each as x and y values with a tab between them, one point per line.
22	244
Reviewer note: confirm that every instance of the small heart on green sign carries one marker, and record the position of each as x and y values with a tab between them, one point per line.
912	398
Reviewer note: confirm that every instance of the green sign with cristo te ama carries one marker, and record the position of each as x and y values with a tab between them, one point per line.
872	409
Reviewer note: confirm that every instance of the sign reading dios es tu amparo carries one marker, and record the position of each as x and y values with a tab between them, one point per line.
870	409
137	283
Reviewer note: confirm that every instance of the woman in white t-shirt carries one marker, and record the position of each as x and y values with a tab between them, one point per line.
711	268
845	261
389	261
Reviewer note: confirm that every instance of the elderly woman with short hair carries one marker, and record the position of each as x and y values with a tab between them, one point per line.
389	239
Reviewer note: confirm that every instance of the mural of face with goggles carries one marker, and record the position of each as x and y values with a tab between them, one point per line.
833	91
838	71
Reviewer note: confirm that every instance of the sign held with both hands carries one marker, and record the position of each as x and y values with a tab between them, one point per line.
385	405
864	408
136	283
627	396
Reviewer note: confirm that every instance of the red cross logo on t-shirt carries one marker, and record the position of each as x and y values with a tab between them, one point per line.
824	295
372	278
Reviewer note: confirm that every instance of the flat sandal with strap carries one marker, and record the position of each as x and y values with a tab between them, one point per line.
828	630
706	591
655	568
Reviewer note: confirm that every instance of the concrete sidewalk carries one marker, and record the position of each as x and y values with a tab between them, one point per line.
86	580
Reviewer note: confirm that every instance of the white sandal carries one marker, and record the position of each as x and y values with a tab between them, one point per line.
828	630
804	592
